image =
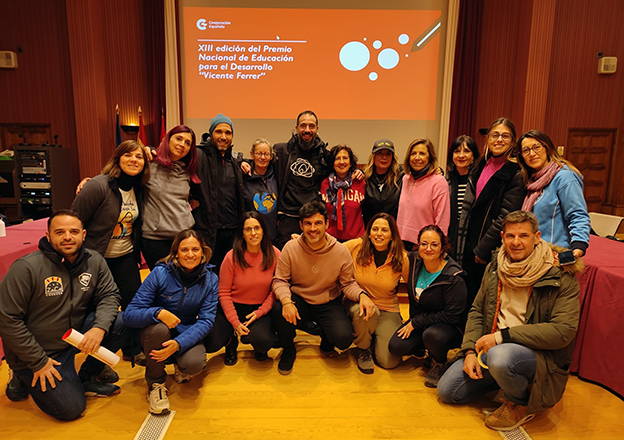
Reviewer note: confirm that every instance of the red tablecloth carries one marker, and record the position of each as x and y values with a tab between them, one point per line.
19	241
599	353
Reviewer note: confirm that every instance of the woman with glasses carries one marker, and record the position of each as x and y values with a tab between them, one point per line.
424	197
463	153
555	193
245	293
260	185
379	261
343	195
437	297
494	189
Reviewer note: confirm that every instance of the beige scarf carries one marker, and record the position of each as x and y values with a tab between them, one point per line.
525	273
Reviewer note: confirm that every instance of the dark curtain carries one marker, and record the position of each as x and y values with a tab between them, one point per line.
155	47
466	70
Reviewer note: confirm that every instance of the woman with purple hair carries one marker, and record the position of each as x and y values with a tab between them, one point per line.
166	204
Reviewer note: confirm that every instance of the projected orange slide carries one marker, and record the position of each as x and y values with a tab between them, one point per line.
343	64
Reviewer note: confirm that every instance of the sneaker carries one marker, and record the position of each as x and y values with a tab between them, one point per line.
179	376
426	362
327	349
365	361
311	327
16	391
261	357
435	373
139	359
507	417
231	357
158	400
108	375
93	388
287	360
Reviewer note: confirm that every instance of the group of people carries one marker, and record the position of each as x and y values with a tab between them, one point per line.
298	237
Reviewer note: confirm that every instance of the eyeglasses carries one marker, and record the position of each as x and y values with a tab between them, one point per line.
256	229
536	148
505	136
433	246
263	154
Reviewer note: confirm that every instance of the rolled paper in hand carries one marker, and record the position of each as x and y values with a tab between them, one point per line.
480	361
74	337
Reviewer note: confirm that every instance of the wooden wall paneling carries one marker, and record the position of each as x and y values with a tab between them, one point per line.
615	191
127	77
590	151
502	59
538	65
40	89
577	95
16	133
87	47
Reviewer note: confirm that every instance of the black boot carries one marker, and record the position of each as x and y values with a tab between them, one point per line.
231	356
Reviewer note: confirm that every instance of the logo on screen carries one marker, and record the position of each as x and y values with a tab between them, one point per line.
202	24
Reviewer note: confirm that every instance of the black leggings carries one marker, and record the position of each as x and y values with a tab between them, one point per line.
154	250
261	333
438	339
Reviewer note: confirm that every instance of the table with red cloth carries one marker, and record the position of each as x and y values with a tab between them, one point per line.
20	240
599	352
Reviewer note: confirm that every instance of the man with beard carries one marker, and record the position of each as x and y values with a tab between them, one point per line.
44	294
312	274
302	164
220	193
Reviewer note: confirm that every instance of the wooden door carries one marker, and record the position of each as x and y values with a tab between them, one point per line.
590	151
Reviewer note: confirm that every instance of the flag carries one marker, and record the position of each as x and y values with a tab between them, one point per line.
117	128
163	131
142	137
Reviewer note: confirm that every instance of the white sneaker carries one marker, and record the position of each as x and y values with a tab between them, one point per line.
158	400
179	376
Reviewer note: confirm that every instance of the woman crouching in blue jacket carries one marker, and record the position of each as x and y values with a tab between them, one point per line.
175	307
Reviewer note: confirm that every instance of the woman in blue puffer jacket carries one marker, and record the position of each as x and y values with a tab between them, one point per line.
175	307
554	193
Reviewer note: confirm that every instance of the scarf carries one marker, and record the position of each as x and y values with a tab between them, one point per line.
492	166
525	273
538	182
418	174
335	196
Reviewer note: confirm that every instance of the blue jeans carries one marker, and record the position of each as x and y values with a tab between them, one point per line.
67	401
511	368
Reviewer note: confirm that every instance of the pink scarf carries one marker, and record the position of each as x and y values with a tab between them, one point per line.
538	182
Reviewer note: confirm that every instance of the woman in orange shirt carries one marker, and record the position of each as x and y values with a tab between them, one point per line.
379	260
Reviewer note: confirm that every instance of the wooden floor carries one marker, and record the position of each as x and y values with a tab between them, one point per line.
321	399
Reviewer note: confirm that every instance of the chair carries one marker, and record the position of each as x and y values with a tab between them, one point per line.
605	224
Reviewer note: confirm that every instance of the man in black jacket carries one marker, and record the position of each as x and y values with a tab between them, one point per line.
302	164
220	193
44	294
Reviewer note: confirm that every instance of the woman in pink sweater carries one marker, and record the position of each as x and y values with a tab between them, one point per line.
245	294
425	194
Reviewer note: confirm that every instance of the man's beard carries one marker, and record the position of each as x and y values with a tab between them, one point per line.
306	145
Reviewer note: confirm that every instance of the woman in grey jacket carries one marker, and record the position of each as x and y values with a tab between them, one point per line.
167	209
110	207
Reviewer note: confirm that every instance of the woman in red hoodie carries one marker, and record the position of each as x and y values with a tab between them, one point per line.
343	195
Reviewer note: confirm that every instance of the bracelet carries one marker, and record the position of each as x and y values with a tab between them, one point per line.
362	293
285	304
470	352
